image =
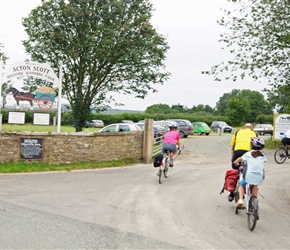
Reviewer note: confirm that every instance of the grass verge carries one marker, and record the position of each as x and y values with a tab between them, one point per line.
27	167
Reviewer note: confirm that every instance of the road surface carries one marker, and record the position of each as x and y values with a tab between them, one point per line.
126	207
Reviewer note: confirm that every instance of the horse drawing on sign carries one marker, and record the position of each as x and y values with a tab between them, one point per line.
21	96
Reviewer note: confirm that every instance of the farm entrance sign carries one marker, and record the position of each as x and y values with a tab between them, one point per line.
37	70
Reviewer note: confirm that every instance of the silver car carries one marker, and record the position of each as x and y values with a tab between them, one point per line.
96	124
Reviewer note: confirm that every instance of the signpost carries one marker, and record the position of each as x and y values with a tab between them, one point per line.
33	69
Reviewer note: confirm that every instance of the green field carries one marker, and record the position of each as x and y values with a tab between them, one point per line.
40	128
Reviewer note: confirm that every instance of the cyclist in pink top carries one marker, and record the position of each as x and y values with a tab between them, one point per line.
171	140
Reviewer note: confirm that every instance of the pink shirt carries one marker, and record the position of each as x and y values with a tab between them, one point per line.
171	137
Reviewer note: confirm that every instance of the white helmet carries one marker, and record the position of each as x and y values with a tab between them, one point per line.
172	124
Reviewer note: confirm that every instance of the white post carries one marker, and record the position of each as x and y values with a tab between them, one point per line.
59	99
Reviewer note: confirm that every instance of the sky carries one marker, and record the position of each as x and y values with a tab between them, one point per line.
192	32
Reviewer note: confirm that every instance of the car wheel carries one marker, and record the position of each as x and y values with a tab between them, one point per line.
261	133
206	133
199	133
182	135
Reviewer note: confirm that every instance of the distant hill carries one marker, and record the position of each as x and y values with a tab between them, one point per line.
109	111
118	111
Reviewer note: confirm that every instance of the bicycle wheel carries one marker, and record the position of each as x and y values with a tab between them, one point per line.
169	169
161	171
280	155
252	214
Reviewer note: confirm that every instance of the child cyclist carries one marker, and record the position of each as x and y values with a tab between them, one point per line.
253	172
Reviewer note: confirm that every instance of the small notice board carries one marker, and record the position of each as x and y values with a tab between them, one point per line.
31	148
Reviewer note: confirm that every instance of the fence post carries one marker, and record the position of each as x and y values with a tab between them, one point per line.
148	141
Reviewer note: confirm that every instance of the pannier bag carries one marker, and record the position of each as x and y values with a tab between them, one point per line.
231	179
158	160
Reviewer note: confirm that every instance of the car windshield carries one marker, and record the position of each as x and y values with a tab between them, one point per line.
268	126
223	124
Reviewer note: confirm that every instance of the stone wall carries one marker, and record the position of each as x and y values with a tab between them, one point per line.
65	148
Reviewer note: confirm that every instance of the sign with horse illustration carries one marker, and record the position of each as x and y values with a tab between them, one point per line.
44	96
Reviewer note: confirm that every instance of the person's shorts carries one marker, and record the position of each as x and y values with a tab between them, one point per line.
286	141
169	147
243	183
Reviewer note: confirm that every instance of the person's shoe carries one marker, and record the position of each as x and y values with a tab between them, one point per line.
171	163
158	173
240	203
231	197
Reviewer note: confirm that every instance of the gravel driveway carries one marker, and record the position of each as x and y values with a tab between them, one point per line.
126	208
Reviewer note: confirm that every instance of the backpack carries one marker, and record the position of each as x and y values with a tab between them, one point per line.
231	178
158	160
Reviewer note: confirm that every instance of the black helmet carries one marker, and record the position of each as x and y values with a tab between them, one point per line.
257	143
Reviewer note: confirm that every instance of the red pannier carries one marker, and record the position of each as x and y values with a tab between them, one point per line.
231	179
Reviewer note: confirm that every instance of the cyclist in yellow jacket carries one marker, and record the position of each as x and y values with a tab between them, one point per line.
240	144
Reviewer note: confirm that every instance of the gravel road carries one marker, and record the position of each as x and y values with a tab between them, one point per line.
126	207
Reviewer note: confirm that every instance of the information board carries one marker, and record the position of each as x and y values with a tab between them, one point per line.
31	148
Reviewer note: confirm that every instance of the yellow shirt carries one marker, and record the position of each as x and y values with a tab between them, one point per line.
242	139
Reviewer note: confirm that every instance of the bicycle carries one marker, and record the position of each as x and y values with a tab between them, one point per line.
251	207
164	169
281	154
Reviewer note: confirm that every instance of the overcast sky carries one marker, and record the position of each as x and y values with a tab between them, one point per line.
192	32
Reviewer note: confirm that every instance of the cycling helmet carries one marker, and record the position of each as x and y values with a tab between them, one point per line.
257	143
172	124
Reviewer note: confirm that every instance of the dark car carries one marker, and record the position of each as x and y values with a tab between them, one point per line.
216	125
158	131
86	124
185	127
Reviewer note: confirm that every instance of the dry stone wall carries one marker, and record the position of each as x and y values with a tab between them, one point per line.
65	148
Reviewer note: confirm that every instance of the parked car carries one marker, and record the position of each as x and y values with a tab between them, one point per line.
201	128
221	125
263	129
96	123
185	127
127	121
158	131
86	124
120	127
163	125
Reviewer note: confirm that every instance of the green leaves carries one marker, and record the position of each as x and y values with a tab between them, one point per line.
258	38
104	45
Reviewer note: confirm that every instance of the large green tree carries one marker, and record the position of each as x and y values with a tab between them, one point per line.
259	39
255	100
105	46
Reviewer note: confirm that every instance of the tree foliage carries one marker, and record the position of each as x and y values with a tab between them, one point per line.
259	40
105	46
238	108
159	108
256	101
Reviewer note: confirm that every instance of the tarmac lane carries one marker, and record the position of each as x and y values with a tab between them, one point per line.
126	207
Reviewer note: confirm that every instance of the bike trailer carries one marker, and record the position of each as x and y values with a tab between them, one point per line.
158	160
231	179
